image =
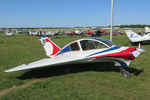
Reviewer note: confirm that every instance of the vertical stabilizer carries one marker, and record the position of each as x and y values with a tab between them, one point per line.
132	36
49	46
89	32
147	29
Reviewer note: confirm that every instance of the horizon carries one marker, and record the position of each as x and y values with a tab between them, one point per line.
124	26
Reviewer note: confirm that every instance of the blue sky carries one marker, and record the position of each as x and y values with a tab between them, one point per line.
70	13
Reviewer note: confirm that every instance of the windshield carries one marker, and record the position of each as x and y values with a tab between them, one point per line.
90	45
107	42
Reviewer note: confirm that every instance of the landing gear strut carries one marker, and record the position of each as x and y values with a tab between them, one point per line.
125	73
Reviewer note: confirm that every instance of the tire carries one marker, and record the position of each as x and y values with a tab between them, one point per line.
125	74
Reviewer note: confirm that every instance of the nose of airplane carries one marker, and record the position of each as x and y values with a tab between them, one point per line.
137	52
141	50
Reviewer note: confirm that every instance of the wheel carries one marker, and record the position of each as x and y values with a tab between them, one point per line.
125	74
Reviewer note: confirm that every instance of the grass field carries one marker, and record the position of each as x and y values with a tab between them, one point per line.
83	83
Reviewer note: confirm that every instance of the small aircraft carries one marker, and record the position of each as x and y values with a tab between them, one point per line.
95	33
98	33
87	50
115	33
50	33
78	32
147	29
9	33
138	38
34	33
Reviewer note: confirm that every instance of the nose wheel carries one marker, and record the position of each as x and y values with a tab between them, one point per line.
125	73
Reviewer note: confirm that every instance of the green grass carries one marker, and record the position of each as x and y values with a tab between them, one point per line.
85	84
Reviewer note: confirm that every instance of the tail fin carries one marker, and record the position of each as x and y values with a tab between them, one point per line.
50	47
132	35
147	29
89	32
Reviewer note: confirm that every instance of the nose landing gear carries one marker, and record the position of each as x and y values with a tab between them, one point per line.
125	73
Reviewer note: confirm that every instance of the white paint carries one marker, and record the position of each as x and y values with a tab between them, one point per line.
48	48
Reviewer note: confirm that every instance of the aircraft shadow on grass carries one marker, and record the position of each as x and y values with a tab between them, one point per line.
75	68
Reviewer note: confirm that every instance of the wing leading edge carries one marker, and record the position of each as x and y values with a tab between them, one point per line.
47	62
36	64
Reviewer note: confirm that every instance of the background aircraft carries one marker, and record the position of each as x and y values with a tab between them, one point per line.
9	33
87	50
34	33
79	32
147	29
94	33
134	37
50	33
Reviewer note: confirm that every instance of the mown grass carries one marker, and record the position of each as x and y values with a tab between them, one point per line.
17	50
84	83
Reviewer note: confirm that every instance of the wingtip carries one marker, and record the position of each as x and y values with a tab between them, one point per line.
15	68
7	71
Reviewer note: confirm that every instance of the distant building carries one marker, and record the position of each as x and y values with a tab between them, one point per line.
116	28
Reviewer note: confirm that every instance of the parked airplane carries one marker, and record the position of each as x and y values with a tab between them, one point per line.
85	50
78	32
98	33
95	33
50	33
34	33
137	38
147	29
9	33
90	32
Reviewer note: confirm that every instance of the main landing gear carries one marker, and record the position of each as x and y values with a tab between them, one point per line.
125	73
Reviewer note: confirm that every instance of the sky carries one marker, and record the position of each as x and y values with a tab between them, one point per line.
72	13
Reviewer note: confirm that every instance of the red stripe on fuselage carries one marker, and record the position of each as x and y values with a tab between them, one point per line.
123	54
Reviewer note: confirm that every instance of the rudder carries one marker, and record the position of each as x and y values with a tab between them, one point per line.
132	35
49	46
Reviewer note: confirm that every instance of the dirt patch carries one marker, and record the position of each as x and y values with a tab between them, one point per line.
13	88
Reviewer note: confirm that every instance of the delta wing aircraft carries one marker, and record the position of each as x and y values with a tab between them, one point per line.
138	38
84	51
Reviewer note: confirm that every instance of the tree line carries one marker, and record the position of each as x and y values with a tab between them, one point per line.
132	26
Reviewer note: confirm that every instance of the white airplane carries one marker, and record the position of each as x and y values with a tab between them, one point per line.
34	33
50	33
147	29
85	50
137	38
9	33
78	32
